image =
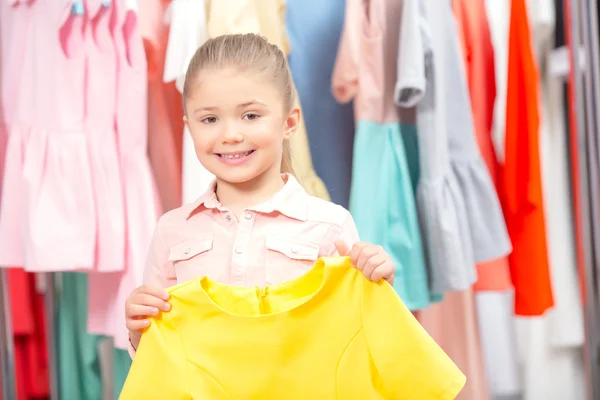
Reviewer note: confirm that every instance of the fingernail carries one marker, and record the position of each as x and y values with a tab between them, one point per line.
146	323
167	307
155	311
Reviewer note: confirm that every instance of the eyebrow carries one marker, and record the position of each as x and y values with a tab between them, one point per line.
242	105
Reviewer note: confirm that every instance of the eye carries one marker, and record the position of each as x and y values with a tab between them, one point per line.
251	116
209	120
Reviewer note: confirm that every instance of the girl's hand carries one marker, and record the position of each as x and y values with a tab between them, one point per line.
374	262
145	301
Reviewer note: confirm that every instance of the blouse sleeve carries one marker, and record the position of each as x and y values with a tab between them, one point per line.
412	47
345	71
158	370
408	361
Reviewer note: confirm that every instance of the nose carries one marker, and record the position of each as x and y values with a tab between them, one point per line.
231	135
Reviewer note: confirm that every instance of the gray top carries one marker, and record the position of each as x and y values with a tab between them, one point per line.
460	214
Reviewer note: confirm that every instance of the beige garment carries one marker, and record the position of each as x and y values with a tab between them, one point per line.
267	17
452	323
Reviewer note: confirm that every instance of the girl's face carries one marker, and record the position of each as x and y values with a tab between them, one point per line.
238	124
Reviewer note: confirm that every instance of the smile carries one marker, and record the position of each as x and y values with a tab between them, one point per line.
233	156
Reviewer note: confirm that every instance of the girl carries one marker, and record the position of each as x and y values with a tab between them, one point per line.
255	225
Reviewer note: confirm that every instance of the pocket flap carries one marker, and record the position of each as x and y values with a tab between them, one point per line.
294	249
190	248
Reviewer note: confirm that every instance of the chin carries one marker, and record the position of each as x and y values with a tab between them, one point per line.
236	175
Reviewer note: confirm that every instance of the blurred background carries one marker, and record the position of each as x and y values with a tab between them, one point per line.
461	134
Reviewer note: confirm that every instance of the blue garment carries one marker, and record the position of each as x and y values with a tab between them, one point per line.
314	28
382	203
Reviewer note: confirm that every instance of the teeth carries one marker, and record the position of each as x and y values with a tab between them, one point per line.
233	156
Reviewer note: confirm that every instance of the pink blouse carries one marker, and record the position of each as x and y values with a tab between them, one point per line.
271	242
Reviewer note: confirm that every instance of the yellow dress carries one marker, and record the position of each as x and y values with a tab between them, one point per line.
329	334
267	17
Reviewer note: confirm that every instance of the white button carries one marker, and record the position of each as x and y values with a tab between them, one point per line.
187	251
294	250
228	218
248	215
238	250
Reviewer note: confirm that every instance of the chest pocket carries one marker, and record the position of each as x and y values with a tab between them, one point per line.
288	258
191	258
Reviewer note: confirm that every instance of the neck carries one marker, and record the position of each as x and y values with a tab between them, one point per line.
239	196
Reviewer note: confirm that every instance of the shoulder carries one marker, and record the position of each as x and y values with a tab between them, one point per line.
176	217
323	211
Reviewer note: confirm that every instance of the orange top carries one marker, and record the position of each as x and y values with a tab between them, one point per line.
522	186
474	34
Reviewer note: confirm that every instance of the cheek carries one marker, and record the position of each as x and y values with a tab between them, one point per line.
267	136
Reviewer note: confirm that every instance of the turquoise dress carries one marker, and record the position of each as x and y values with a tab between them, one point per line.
383	205
382	199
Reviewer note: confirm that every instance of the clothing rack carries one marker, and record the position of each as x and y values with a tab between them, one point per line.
581	21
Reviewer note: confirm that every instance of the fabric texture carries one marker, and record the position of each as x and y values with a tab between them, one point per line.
521	174
390	220
101	65
478	55
29	333
165	108
364	72
79	366
452	323
108	291
314	29
360	357
53	212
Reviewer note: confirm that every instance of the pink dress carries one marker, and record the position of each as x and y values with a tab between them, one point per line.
53	205
108	291
100	129
14	32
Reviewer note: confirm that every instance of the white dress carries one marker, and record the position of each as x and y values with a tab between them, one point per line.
187	19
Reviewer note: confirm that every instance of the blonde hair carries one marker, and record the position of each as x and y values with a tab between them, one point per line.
246	51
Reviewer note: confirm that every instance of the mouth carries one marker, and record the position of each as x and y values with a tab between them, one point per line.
234	156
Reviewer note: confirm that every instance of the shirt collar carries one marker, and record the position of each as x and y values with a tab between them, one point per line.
291	200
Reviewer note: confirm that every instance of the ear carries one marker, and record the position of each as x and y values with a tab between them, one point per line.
292	123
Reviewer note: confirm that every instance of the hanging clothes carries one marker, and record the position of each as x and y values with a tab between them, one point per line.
551	345
452	324
188	31
14	32
267	17
165	109
77	350
29	330
108	291
365	72
522	186
478	55
59	215
101	65
441	208
314	29
49	219
494	308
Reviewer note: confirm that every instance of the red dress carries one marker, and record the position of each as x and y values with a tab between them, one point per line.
31	355
522	186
